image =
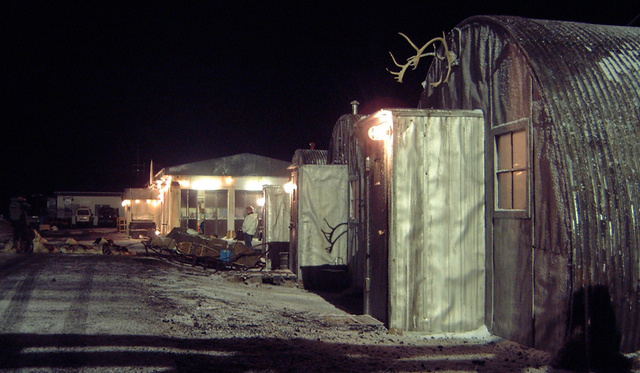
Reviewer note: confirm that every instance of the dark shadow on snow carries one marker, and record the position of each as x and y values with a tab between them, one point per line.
69	351
331	283
593	341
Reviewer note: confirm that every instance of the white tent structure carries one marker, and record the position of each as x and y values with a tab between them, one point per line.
319	220
276	223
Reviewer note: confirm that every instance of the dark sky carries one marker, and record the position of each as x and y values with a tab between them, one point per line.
92	89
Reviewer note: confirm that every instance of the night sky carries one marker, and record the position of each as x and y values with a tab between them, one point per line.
93	91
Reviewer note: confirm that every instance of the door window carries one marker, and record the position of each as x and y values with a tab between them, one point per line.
512	167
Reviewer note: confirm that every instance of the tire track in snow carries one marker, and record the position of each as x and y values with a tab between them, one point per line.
13	316
75	322
8	275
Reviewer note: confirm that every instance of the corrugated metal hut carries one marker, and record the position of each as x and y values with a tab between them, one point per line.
345	148
561	102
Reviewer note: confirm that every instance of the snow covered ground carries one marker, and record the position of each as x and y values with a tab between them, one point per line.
87	312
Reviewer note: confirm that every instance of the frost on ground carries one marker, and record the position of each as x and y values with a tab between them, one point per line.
87	312
277	328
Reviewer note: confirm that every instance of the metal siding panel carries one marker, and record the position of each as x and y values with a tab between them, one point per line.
378	254
513	278
345	148
436	269
375	223
552	292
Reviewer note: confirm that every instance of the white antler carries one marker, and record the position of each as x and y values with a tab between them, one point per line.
420	52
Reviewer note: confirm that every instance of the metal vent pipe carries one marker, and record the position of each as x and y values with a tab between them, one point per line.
354	107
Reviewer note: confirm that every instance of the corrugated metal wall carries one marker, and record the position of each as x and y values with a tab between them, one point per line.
584	128
345	148
437	222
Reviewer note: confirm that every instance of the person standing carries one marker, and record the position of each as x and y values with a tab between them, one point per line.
249	226
18	214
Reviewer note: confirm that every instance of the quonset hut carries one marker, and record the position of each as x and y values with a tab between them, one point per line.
561	104
345	148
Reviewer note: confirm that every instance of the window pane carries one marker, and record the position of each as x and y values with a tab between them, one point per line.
504	190
247	198
504	152
188	203
215	204
520	149
520	190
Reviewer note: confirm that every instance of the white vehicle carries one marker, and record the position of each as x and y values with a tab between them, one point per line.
84	216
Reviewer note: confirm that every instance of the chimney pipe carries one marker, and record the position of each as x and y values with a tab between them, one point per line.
354	107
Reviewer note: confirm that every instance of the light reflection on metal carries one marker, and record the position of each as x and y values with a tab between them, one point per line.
383	130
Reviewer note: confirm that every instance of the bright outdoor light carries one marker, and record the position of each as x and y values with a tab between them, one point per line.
206	184
289	187
261	201
253	185
381	131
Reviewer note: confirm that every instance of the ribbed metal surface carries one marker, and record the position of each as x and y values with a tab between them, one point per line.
590	76
309	156
345	148
586	152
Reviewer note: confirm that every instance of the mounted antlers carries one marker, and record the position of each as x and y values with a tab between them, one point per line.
329	236
413	61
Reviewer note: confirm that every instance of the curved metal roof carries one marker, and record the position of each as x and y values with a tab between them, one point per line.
309	156
590	79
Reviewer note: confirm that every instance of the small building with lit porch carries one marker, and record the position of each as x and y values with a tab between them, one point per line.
211	195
